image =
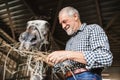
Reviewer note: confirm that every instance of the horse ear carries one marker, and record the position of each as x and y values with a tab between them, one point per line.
28	24
47	25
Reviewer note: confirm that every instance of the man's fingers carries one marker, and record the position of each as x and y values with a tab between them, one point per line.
50	58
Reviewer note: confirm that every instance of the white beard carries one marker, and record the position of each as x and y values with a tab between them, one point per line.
70	31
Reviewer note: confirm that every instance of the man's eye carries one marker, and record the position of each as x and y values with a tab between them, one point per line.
64	21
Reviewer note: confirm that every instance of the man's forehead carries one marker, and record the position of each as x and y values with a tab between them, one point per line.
63	17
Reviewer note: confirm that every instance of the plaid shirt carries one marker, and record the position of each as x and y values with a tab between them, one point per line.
93	42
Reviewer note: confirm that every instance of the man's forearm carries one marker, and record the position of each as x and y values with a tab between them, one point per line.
76	56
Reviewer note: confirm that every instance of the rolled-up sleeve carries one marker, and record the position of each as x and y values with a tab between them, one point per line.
100	54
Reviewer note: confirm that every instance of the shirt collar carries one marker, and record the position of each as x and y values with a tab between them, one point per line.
82	27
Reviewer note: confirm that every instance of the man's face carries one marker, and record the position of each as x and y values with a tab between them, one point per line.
68	23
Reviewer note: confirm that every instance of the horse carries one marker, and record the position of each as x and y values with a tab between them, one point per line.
37	37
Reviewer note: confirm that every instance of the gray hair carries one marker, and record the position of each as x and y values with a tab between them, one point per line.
70	11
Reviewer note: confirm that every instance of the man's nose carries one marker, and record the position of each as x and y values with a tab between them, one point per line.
63	26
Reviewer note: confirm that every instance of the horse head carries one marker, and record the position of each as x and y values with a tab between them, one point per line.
36	35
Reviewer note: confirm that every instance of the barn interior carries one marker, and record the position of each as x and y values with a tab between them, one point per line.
14	15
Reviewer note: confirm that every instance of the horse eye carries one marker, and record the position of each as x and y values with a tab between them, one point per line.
37	24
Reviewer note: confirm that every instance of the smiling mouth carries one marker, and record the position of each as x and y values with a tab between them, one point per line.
67	27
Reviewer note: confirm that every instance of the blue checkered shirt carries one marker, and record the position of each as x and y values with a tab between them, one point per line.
93	42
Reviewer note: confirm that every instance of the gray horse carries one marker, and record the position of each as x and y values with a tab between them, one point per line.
37	37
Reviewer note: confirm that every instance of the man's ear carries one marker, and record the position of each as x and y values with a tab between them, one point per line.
76	16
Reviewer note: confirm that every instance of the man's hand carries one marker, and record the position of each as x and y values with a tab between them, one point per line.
58	56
